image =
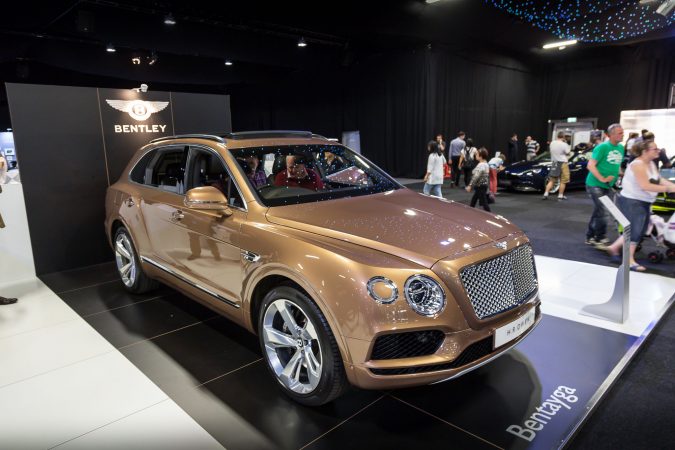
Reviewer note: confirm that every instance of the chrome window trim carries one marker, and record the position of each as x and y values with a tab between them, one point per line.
149	186
227	168
195	285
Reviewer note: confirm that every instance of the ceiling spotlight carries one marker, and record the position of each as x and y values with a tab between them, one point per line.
169	20
152	59
136	60
228	62
560	45
110	48
302	43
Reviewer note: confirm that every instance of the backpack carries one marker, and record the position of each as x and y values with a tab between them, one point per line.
470	161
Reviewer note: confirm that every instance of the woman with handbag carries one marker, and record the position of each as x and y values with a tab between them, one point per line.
480	180
467	161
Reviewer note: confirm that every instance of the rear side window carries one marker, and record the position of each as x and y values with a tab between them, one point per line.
163	168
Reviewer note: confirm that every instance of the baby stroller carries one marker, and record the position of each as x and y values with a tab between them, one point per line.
662	233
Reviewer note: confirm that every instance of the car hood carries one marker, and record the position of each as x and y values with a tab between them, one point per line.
402	223
524	166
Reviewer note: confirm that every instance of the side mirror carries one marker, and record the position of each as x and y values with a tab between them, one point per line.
207	198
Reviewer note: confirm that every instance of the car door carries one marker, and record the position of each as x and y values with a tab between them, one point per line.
162	198
206	243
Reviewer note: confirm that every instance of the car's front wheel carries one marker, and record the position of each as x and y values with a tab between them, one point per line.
556	185
299	347
128	265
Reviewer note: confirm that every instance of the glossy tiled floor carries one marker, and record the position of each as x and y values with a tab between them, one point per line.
94	367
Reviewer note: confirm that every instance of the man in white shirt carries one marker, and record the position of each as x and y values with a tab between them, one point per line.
560	149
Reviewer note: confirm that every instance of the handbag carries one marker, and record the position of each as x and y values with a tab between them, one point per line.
556	169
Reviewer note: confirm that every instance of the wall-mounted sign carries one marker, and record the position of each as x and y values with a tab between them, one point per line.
571	119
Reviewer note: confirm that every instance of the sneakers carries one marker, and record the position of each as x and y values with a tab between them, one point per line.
544	197
562	198
600	244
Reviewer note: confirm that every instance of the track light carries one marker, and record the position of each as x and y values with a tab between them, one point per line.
110	48
302	43
228	62
153	58
560	45
169	20
136	60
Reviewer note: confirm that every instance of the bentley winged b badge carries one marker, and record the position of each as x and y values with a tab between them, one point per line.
138	109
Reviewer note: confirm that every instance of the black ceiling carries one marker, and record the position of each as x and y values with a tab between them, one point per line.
66	39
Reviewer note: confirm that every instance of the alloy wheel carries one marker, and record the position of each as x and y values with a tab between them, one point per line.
124	257
292	346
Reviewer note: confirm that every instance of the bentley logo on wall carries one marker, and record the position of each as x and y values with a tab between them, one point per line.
139	110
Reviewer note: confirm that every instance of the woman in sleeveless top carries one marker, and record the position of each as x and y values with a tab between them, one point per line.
641	185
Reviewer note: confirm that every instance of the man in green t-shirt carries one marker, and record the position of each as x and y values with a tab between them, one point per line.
603	170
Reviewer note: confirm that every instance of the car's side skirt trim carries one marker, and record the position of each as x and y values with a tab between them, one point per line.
185	280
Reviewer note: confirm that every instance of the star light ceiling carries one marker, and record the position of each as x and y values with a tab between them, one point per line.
590	20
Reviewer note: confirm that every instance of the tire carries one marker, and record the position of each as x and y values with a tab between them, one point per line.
655	257
128	265
306	362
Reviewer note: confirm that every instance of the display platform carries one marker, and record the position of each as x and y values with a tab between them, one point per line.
201	379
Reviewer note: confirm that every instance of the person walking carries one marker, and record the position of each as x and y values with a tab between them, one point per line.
641	185
560	171
480	180
603	171
433	179
456	147
467	161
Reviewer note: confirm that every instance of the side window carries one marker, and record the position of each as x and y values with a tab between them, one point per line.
206	169
163	168
137	174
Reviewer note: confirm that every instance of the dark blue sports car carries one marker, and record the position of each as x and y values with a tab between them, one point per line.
533	175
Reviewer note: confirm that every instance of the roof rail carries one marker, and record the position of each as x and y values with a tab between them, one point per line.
211	137
269	134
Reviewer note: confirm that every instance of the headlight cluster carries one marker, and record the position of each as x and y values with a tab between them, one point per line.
424	295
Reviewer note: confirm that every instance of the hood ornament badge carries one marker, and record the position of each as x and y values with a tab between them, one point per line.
501	245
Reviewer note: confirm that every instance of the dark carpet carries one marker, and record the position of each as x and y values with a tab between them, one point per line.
638	412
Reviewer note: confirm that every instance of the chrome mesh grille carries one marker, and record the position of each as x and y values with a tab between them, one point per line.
502	283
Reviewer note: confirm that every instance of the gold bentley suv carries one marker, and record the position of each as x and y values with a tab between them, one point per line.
345	275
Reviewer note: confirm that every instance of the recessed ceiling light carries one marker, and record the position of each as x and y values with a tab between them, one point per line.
560	45
153	58
302	43
228	62
169	20
110	48
136	60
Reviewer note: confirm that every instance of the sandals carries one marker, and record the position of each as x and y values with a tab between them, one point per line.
637	268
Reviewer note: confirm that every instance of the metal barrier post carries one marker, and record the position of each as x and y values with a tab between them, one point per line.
616	308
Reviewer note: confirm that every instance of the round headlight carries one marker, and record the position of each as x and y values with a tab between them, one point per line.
424	295
382	289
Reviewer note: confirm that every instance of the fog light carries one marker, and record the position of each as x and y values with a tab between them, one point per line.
382	290
424	295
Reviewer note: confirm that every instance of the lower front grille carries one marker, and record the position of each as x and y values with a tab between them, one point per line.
407	345
472	353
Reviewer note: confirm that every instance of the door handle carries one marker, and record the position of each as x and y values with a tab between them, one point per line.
178	215
130	202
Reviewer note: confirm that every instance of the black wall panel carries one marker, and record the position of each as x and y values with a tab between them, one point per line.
72	143
58	137
201	113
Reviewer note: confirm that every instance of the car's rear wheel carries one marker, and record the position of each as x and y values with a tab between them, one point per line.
128	264
300	348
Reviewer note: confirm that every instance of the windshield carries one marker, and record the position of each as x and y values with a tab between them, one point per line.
293	174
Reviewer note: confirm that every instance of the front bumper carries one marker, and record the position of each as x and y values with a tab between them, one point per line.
459	353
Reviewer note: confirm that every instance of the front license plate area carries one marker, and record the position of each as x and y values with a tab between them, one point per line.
512	330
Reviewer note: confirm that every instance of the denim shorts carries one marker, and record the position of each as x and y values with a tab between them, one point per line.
637	212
